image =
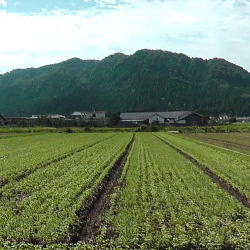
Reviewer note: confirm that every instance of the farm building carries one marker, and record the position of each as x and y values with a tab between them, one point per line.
2	120
182	118
92	118
89	115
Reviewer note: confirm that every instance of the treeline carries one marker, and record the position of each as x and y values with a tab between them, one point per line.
149	80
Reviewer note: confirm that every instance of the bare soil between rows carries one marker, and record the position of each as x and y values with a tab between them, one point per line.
215	178
100	202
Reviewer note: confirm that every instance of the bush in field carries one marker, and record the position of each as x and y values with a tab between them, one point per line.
68	130
142	128
155	128
87	129
150	128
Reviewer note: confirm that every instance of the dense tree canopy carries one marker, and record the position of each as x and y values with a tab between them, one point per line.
147	80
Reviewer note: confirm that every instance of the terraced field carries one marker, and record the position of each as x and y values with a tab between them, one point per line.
143	190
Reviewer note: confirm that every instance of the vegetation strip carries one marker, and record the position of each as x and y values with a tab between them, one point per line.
2	137
223	184
223	148
51	161
224	141
99	203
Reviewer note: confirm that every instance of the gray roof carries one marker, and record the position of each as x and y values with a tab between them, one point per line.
55	116
141	116
86	112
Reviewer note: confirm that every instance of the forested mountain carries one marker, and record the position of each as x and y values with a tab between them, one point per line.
147	80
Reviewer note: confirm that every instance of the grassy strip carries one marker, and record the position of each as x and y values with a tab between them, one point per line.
241	127
18	130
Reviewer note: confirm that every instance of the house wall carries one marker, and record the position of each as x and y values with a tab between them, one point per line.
156	118
182	122
86	115
195	120
100	115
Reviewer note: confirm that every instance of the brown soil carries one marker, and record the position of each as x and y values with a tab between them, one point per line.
215	178
90	215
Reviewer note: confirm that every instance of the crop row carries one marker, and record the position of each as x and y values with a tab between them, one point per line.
231	166
42	208
166	201
24	154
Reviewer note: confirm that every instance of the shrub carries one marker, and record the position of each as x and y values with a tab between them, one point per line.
68	130
87	129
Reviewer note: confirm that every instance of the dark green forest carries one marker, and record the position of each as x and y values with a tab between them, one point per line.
148	80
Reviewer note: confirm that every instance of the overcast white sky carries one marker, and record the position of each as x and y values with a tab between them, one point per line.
35	33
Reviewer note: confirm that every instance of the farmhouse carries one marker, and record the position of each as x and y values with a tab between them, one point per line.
88	116
2	120
184	118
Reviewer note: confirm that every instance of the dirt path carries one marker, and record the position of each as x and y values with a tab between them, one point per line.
215	178
99	203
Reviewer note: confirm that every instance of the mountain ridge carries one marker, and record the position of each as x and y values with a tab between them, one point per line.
148	79
118	53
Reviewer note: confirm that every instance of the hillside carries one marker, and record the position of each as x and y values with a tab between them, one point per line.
147	80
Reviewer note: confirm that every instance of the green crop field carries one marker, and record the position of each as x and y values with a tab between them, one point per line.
123	190
235	141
